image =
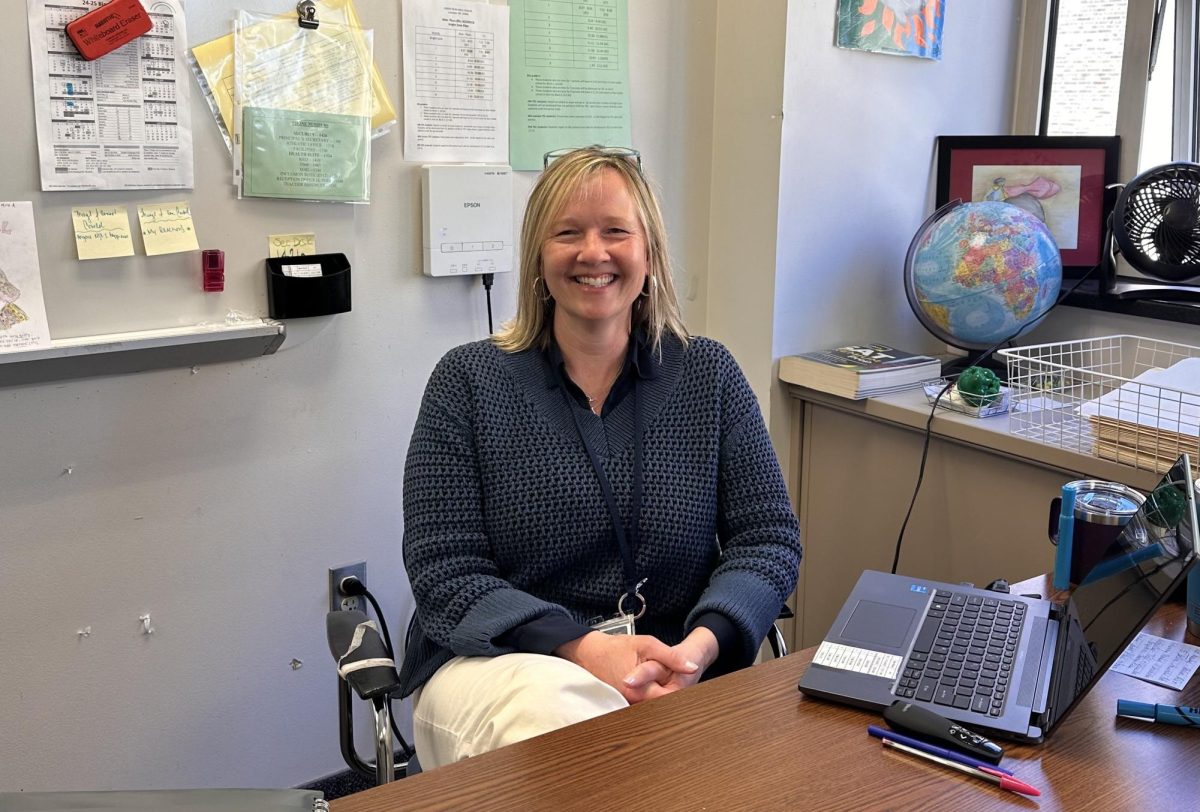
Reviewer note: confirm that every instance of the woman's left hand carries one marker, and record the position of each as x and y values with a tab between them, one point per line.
656	679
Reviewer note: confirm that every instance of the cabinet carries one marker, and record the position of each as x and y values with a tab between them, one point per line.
981	514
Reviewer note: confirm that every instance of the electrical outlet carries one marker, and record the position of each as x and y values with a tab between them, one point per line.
338	600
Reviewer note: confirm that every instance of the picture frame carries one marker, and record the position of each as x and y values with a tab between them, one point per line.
1061	179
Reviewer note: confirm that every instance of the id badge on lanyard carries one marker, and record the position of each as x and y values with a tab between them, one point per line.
624	622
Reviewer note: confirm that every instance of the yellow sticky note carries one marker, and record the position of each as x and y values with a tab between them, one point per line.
167	228
292	245
101	231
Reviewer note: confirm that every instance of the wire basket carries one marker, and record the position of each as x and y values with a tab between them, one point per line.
1123	398
955	402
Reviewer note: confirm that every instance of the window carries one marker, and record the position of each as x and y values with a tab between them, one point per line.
1125	68
1084	71
1092	75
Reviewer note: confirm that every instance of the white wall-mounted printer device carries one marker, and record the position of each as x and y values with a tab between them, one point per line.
468	210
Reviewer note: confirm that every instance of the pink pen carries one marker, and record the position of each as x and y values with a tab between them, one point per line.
1006	782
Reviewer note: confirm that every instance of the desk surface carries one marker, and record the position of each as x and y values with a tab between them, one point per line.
750	740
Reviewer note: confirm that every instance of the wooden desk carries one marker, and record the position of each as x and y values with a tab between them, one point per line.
751	741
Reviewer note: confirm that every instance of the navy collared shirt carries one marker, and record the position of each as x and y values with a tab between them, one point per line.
639	363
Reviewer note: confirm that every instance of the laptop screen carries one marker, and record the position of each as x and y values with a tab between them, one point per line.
1116	597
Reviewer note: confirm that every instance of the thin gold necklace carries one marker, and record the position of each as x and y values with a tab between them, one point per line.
592	401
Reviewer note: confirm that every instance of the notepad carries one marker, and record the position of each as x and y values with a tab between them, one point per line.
1160	661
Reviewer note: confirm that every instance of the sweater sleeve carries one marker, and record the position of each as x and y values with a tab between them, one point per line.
462	601
756	527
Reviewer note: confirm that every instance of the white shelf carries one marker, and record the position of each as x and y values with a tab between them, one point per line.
119	353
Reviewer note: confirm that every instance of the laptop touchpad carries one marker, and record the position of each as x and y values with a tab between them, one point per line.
879	624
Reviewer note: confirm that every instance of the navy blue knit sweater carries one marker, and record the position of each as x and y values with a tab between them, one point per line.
505	522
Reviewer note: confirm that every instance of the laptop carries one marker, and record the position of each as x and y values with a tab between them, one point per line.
1005	664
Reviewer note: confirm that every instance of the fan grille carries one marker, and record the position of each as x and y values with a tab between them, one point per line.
1158	222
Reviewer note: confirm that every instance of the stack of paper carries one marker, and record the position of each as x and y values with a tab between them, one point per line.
1149	421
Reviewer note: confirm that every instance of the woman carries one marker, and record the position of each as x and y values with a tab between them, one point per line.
591	463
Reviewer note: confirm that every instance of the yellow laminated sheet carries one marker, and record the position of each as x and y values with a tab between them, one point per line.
214	59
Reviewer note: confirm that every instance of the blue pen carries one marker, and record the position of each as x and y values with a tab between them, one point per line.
1066	531
926	747
1163	714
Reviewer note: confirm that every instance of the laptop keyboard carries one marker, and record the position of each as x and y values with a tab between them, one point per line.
963	656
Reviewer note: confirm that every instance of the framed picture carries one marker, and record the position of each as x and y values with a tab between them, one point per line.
907	28
1060	179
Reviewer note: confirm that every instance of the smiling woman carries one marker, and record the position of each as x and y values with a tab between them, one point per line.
580	183
591	458
594	265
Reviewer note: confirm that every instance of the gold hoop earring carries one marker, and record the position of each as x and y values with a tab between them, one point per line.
546	297
649	287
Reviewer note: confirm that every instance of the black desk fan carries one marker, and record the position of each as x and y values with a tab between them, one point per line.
1155	226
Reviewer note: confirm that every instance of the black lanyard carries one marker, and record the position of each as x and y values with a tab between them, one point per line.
627	539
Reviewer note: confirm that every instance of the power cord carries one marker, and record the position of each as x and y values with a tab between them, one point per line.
350	585
488	278
933	409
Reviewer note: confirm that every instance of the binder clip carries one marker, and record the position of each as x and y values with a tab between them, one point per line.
307	11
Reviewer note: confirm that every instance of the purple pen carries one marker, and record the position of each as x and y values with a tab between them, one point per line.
961	758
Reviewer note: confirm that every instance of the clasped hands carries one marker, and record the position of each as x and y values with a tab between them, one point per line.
641	666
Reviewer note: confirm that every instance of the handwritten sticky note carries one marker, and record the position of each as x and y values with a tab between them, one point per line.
1158	660
167	228
292	245
101	231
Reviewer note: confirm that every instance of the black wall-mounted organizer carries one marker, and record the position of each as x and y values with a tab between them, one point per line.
293	297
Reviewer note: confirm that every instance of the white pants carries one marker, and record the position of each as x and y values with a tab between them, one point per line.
476	704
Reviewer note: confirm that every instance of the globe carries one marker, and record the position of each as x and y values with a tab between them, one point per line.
978	274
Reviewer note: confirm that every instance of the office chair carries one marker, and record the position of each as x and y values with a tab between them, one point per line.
775	636
365	663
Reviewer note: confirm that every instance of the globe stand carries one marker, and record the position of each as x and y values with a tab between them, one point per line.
956	366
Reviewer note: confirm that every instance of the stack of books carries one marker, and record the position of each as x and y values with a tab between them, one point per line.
859	371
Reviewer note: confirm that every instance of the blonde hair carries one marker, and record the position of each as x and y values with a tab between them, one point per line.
656	311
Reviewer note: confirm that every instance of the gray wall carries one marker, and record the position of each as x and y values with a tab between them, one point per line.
216	500
856	171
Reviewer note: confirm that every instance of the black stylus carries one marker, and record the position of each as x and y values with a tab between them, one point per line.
935	728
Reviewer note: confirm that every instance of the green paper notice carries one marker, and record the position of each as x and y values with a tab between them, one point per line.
305	156
569	68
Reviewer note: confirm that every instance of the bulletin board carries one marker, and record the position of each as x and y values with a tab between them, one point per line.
140	292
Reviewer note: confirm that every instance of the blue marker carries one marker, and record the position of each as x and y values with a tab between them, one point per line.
1163	714
1066	529
952	755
